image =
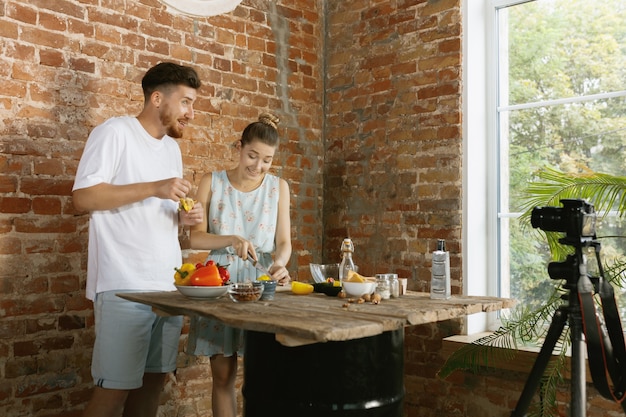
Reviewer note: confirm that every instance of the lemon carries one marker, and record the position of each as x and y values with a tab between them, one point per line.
186	203
263	278
301	288
353	276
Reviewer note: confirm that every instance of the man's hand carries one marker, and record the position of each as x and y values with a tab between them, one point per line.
172	189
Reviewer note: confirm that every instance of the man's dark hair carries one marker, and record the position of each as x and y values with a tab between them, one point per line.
168	74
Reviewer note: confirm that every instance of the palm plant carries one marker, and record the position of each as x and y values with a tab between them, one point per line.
524	325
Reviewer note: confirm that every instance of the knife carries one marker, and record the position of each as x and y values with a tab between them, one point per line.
258	266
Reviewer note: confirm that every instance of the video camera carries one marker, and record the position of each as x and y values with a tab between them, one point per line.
601	326
577	219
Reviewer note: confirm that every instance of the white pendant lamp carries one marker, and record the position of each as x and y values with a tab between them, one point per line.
201	8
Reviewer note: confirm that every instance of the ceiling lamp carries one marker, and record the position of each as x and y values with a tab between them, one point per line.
201	8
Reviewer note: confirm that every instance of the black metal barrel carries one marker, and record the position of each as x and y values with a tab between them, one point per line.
356	378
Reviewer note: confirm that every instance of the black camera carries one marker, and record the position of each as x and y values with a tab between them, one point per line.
577	219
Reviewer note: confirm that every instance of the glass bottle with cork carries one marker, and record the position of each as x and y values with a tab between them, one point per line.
347	263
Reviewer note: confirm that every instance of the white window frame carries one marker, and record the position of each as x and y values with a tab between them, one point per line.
480	156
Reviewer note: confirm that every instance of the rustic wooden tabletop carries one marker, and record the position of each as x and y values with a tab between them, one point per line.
312	318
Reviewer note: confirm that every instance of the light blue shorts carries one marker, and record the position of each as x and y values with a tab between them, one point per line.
131	340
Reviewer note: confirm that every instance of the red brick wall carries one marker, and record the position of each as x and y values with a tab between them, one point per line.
393	156
369	93
68	65
393	134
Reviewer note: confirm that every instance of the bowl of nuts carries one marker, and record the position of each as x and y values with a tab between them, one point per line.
241	292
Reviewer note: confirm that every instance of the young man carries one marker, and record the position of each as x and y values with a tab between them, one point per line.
130	180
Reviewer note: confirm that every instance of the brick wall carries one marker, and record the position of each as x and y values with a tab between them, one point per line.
369	93
393	156
68	65
393	134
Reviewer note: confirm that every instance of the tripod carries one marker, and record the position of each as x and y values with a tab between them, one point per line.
605	341
565	313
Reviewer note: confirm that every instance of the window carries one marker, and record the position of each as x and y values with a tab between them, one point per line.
545	87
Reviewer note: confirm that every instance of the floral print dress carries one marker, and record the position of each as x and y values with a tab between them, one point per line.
252	215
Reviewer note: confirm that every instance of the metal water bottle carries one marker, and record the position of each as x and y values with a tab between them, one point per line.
440	272
347	264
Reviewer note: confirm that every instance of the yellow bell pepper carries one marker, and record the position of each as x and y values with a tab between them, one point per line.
183	274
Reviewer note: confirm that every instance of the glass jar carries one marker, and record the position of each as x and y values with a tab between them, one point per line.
383	287
394	285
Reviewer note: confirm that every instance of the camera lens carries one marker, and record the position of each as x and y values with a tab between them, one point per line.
549	219
563	270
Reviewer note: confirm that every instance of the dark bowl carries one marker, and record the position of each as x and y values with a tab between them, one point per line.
327	288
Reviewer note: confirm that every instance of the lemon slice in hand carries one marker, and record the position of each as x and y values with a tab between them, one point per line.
263	278
301	288
186	203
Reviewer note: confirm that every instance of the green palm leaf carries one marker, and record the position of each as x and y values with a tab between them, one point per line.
524	326
606	192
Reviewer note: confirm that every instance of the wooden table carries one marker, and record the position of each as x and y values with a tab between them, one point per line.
330	357
314	318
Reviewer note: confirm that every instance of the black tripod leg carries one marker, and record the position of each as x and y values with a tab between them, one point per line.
534	379
578	387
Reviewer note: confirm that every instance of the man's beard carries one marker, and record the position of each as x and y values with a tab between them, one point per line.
170	124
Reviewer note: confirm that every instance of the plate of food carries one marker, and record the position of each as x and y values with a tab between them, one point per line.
196	292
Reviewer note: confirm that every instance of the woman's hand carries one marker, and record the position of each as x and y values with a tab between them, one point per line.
242	247
280	274
193	216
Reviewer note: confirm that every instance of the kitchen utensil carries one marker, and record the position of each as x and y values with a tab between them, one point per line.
258	266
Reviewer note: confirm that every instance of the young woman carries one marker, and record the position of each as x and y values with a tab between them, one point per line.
247	216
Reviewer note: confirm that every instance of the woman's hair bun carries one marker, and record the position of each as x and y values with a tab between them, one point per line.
269	119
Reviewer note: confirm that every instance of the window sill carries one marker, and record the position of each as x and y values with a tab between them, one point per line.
525	357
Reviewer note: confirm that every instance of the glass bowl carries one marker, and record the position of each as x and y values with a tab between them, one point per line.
240	292
321	272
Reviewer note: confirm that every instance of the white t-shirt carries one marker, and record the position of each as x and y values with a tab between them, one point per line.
133	247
